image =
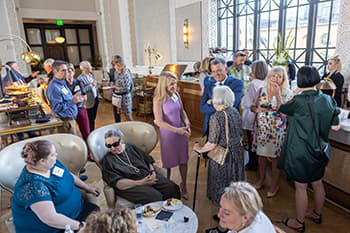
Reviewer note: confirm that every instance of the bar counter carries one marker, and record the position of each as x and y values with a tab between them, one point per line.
337	177
191	94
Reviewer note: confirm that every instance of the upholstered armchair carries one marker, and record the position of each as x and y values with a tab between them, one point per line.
140	134
71	150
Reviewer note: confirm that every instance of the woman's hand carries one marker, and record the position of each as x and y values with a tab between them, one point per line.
335	127
93	189
183	131
115	87
197	147
150	179
275	89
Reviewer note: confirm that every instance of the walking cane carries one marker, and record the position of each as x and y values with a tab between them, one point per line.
195	184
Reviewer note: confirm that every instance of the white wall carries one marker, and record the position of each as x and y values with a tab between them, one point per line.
152	25
71	5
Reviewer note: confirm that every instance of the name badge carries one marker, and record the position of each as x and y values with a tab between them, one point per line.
76	88
174	97
57	171
64	90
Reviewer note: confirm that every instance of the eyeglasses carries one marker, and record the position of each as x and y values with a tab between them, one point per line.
114	144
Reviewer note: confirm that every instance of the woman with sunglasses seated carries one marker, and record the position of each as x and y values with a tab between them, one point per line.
129	170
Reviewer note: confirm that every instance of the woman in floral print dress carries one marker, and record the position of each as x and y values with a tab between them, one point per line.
270	126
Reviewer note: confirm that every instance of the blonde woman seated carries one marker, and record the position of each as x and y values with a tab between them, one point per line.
241	210
111	221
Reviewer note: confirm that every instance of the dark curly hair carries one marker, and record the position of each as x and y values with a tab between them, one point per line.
111	221
32	152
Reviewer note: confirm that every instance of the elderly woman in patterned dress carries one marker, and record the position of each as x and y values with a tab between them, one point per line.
220	176
122	86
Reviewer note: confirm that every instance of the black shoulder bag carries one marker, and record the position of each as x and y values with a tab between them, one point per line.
327	151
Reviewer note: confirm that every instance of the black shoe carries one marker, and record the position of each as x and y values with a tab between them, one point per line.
83	177
82	170
216	217
215	230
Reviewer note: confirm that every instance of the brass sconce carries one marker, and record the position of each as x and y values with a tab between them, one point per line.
186	39
30	56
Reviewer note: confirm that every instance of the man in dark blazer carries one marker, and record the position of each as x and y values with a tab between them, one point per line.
220	77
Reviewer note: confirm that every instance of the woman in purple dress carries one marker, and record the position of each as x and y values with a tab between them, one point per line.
174	125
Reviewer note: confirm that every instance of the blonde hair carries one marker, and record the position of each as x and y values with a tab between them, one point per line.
111	221
70	66
337	62
280	71
205	64
163	81
245	197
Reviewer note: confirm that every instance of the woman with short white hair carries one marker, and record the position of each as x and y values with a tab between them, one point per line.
241	210
89	84
232	169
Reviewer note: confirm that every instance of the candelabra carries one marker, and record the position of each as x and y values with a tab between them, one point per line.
152	52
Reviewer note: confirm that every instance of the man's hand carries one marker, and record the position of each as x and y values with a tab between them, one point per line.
209	101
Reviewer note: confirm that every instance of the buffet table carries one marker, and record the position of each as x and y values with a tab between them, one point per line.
6	130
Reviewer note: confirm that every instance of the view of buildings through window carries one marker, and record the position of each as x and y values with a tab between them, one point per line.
255	25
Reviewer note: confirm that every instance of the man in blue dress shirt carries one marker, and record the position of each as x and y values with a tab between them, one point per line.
219	73
62	102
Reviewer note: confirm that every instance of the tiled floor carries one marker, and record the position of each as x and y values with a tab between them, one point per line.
335	219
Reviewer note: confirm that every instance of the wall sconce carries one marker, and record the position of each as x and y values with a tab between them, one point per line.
60	39
186	39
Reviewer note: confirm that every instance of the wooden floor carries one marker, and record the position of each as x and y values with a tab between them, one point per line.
335	219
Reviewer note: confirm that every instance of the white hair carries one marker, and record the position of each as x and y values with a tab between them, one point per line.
84	64
223	95
49	61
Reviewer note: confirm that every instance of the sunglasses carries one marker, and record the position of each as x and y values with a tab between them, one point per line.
114	144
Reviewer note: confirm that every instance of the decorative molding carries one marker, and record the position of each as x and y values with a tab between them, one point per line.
213	35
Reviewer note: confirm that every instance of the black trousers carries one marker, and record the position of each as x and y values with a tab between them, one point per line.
143	194
86	210
116	115
92	112
253	158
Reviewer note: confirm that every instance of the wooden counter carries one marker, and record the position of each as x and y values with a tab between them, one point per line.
190	93
337	176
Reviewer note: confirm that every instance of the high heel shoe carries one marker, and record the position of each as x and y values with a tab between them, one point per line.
183	193
317	220
298	229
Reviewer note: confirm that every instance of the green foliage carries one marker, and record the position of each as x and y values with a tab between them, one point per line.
282	57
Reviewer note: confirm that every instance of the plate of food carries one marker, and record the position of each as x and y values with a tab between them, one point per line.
150	210
172	204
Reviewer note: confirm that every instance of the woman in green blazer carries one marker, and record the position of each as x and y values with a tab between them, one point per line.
311	114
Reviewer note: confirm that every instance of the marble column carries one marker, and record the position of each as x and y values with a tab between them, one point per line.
11	50
343	38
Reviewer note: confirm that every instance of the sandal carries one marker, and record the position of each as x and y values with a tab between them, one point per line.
298	229
318	219
272	194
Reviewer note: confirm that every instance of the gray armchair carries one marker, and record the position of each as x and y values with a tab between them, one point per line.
71	150
140	134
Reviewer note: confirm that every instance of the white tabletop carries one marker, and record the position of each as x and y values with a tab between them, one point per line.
175	224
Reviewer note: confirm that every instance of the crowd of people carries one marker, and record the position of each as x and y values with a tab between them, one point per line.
247	106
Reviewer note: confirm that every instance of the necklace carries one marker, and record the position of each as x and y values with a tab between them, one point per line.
129	164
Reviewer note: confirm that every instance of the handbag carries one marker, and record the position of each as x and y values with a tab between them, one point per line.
219	153
327	150
117	100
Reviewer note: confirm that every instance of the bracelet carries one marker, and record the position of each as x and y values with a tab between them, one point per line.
81	225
